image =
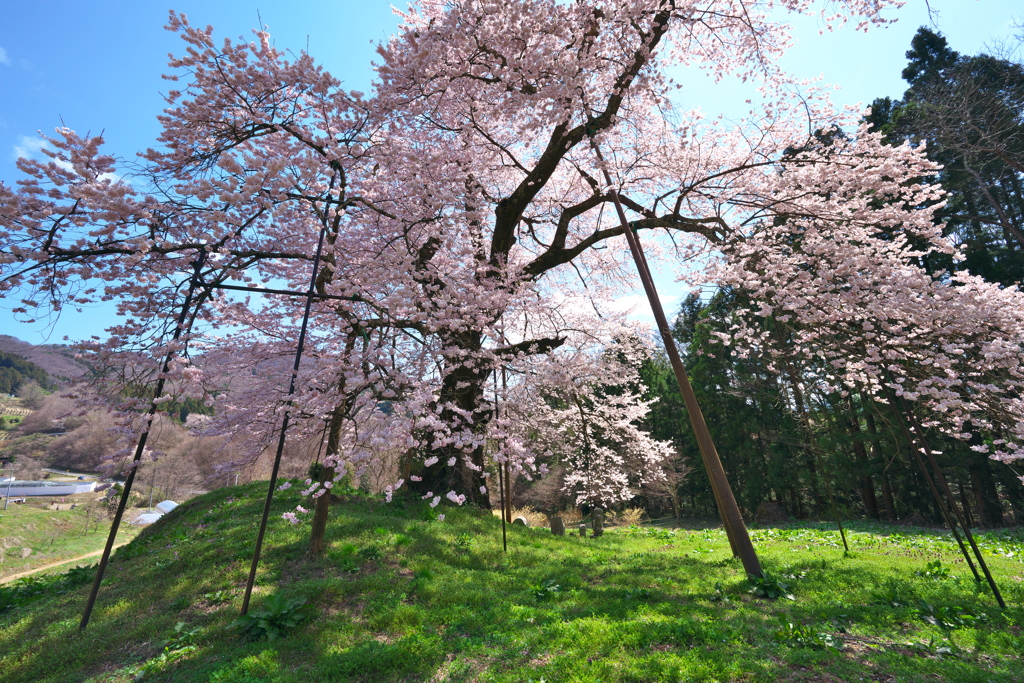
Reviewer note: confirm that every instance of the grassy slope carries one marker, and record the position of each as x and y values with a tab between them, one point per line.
51	535
401	599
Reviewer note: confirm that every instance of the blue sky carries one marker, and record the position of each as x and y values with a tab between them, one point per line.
96	67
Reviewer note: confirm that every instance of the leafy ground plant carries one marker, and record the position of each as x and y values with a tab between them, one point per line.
177	646
30	588
275	618
799	635
770	586
949	617
935	571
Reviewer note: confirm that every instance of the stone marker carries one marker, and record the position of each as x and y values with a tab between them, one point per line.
583	530
557	526
598	521
770	512
521	521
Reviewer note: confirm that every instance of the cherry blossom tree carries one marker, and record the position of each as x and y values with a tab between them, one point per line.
587	416
843	292
462	198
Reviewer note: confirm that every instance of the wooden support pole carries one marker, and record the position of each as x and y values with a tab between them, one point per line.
141	446
732	519
941	478
916	450
310	295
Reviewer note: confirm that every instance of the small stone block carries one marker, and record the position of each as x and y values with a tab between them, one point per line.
583	530
520	521
557	526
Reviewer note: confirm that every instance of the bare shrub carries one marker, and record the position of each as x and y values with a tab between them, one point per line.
533	517
88	446
571	516
629	517
50	416
545	493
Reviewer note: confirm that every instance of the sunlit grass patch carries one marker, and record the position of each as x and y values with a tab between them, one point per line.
400	598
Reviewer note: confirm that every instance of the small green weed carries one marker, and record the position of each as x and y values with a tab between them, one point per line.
769	586
370	552
719	595
547	590
217	597
175	647
892	596
639	594
949	618
79	576
277	616
935	571
798	635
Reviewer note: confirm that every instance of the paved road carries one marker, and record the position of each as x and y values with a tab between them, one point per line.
96	553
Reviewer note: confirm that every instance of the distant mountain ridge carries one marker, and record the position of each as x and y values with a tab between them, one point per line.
58	360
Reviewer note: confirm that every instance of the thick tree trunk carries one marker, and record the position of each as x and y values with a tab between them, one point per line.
462	387
867	485
887	500
964	501
322	507
805	427
879	461
986	498
321	510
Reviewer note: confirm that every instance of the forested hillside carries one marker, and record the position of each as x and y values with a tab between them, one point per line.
16	372
57	360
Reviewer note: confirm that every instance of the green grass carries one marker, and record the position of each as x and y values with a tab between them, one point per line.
401	598
50	535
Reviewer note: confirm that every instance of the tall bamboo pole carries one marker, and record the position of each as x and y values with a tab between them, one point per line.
141	446
310	295
732	519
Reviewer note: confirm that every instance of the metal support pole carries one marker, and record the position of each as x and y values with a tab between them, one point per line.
941	478
916	450
141	446
501	480
501	485
507	509
284	423
732	520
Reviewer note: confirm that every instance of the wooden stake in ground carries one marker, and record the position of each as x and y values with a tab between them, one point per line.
732	520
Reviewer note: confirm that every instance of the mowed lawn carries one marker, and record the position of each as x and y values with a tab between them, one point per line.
401	596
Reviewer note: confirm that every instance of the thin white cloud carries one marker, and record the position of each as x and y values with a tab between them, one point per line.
4	59
28	147
637	307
